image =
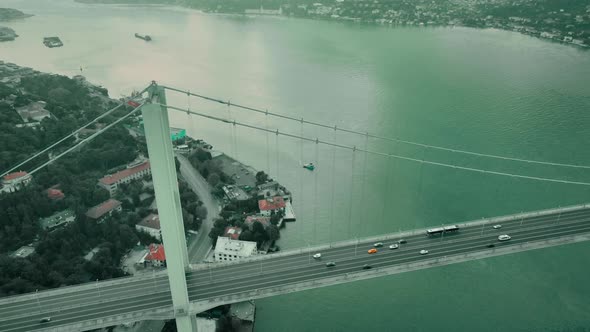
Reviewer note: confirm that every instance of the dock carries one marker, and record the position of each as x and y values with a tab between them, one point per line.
289	213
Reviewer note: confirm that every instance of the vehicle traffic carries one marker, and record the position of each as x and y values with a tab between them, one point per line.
317	256
394	246
372	251
367	266
402	241
378	244
497	226
330	264
423	252
45	320
441	230
504	237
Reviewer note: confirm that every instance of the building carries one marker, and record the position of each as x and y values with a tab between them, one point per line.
156	255
104	209
134	171
177	134
250	220
34	111
58	219
244	313
23	252
262	11
271	204
227	249
55	194
235	193
14	181
150	225
232	232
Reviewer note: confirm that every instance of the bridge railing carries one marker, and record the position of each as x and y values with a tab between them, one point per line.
392	236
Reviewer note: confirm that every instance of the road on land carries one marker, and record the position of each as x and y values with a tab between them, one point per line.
200	244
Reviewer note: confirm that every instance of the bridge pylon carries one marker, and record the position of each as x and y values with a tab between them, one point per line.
157	134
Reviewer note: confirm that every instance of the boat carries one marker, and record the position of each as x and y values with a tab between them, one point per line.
309	166
52	42
146	37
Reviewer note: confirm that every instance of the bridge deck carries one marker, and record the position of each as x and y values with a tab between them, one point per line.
148	297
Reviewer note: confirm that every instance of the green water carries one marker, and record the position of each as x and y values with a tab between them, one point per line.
489	91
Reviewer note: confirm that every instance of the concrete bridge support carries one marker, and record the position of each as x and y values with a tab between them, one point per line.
157	133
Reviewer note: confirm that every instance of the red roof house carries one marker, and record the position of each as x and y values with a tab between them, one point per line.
250	220
232	232
55	194
104	208
269	204
115	178
15	175
156	253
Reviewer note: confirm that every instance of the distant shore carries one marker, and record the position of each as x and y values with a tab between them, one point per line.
7	14
7	34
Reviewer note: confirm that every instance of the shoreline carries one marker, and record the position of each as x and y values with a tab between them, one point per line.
522	30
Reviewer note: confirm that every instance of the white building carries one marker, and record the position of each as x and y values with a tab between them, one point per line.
34	111
14	181
150	225
227	249
134	171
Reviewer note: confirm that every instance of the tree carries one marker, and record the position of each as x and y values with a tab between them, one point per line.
273	233
213	179
275	218
261	178
201	212
247	236
257	227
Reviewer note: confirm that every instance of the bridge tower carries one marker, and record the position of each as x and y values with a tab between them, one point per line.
157	133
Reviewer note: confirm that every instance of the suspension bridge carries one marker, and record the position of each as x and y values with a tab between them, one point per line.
186	289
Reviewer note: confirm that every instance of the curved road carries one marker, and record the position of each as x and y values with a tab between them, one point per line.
22	313
199	245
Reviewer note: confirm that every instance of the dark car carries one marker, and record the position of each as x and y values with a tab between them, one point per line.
402	241
330	264
366	267
45	320
491	245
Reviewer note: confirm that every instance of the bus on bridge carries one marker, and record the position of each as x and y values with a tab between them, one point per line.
442	230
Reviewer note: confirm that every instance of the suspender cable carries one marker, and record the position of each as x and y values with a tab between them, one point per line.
356	132
389	169
333	186
315	194
351	193
364	180
267	146
383	154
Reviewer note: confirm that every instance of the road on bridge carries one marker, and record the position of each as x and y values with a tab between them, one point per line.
133	294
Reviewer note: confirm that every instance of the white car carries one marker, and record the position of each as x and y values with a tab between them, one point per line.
394	246
504	237
317	256
378	244
423	252
497	226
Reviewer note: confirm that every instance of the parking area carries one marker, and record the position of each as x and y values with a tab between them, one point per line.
243	174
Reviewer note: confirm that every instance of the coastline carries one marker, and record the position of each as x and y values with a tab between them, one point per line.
548	34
